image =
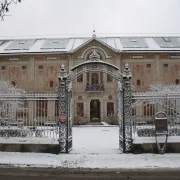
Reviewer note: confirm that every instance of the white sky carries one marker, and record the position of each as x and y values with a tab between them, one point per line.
75	17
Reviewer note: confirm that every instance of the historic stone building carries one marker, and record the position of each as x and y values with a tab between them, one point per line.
34	65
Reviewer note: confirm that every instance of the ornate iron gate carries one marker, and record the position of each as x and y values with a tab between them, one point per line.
125	111
124	100
69	116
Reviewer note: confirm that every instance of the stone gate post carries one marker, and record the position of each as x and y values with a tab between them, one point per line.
62	109
127	109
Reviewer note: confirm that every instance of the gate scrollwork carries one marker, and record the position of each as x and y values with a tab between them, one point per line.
123	101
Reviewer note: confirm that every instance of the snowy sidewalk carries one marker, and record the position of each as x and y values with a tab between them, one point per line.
100	161
93	147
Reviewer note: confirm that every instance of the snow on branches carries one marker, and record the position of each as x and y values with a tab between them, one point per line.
8	88
162	97
159	87
4	6
11	99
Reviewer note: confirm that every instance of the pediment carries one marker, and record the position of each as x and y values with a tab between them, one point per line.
88	47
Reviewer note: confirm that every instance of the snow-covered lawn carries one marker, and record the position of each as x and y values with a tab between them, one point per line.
93	147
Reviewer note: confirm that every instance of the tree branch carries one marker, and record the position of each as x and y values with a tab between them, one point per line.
4	7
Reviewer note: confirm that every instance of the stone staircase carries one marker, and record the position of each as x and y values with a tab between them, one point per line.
93	123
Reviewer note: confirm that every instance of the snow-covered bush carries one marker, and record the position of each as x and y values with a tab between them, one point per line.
11	99
161	95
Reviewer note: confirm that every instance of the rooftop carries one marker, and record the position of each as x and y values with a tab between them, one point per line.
58	45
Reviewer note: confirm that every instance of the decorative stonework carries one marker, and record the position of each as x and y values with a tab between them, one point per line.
51	72
13	72
85	53
110	97
79	98
94	56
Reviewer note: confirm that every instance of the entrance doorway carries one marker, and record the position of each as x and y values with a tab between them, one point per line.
95	110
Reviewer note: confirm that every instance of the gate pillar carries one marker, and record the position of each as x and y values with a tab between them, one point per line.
127	109
62	109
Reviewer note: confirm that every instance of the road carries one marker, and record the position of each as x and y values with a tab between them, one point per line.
79	174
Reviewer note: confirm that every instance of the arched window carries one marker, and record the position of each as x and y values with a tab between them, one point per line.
13	83
94	78
177	81
138	82
51	84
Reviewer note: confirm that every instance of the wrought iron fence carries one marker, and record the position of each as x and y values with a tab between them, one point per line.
145	107
29	115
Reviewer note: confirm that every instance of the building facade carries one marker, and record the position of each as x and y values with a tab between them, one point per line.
34	65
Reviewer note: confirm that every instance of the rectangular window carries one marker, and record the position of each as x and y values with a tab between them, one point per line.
56	108
110	108
80	78
137	56
51	58
14	58
41	108
133	40
165	65
80	109
148	65
41	67
166	39
87	75
109	78
23	67
3	68
149	110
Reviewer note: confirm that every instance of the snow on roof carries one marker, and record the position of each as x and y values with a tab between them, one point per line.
21	45
58	45
55	44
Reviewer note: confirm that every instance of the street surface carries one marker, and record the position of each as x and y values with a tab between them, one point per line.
78	174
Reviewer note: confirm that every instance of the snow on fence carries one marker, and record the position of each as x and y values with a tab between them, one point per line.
29	115
146	105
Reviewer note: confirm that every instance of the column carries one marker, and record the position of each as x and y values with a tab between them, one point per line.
102	107
158	70
32	74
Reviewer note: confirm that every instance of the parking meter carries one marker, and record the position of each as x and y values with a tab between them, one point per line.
161	123
161	129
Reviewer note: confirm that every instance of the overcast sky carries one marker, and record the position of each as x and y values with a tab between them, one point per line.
75	17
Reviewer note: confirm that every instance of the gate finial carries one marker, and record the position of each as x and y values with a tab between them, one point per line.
127	73
62	67
62	73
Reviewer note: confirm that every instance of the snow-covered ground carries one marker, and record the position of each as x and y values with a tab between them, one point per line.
101	140
93	147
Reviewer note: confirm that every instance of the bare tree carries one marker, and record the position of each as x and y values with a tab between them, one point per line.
4	7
